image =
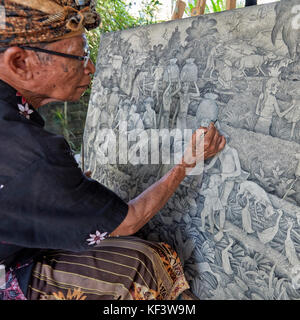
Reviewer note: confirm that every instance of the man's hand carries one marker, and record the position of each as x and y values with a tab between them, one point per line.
205	143
147	204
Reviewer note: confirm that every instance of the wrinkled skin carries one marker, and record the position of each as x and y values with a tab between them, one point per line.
42	78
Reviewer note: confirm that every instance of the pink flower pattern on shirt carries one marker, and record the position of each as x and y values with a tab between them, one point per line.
25	111
96	238
24	108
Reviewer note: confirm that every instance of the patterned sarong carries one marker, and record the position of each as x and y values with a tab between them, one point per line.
125	268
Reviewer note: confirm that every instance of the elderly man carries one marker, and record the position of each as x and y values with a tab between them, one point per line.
62	234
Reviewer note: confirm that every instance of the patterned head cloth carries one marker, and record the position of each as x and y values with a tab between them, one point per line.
33	21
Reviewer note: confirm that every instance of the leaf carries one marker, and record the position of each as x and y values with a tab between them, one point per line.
291	192
214	6
279	283
189	246
208	252
261	171
258	177
275	174
255	296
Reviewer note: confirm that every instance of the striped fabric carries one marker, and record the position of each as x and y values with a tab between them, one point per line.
125	268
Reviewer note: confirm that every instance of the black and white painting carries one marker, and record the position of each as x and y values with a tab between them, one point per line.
236	227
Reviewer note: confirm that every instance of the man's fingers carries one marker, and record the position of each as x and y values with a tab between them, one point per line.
212	138
222	144
203	129
211	132
215	139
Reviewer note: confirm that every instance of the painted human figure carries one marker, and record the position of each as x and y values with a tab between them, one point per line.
102	144
135	128
210	65
172	73
166	107
157	73
225	73
122	114
231	172
212	202
225	258
267	105
135	125
96	116
135	121
246	216
185	100
149	117
113	103
293	116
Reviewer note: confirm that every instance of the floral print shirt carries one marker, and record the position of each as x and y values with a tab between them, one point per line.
46	202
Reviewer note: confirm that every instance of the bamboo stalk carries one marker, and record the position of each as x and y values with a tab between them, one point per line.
199	9
179	10
230	4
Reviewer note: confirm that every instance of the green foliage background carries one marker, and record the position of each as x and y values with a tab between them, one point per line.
213	5
115	16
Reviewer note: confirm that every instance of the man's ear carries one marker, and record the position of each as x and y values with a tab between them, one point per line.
17	63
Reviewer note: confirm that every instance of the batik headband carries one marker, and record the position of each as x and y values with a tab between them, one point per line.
34	21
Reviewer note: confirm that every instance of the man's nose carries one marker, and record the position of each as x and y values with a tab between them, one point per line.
90	68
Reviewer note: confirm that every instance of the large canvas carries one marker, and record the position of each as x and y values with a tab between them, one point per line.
236	227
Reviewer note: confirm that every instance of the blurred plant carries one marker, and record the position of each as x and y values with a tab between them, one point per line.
148	12
218	5
115	16
60	117
212	6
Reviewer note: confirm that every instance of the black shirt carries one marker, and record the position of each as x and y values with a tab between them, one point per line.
46	202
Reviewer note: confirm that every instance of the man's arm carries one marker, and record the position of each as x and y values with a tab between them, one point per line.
147	205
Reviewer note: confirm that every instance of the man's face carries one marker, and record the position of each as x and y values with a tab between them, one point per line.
62	78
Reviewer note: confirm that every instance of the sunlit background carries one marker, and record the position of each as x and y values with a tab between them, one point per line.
167	7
